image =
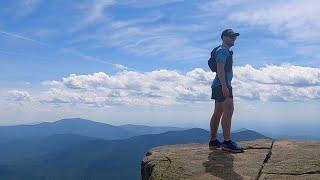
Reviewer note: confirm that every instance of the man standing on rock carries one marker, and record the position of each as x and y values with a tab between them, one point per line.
222	93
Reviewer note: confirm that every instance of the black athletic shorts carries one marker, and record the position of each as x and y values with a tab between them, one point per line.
218	95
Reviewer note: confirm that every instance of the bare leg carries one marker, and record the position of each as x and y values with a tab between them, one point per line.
215	119
226	118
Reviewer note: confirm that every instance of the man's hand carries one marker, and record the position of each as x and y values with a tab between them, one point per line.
225	91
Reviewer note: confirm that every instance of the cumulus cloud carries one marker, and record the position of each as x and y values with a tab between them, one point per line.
286	74
165	87
277	83
19	96
161	87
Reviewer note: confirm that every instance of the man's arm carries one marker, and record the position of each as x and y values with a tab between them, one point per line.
221	59
221	73
222	78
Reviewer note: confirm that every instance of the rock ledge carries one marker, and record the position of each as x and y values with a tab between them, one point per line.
262	159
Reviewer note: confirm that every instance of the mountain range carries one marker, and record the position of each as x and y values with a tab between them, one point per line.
85	155
79	126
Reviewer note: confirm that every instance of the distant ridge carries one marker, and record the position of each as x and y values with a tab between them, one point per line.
143	129
76	126
79	126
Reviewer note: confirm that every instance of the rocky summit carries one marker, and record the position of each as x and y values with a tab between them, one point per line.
262	159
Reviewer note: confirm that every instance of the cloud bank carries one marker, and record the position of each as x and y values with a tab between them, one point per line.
166	87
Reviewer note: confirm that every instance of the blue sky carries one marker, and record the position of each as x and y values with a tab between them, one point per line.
145	62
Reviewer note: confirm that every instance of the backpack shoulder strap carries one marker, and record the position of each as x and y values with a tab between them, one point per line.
214	50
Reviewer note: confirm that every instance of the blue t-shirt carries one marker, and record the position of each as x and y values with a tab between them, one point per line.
221	55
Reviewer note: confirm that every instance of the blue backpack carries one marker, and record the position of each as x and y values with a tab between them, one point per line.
212	63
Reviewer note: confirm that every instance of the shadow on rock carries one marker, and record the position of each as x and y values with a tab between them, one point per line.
220	164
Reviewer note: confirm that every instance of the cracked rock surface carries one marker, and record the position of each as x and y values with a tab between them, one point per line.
262	159
293	160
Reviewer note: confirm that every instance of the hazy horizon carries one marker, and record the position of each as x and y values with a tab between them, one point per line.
288	131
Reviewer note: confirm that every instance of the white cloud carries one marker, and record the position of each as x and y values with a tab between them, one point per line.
277	83
161	87
297	20
165	42
147	36
18	96
95	13
164	87
285	74
120	67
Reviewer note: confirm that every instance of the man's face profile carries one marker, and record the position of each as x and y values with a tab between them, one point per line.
229	40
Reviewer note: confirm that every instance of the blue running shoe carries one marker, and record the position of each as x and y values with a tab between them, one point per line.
231	146
214	144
